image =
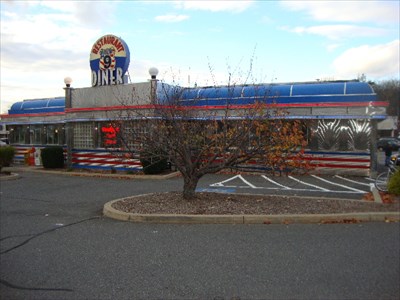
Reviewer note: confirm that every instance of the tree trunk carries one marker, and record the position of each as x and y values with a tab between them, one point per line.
189	187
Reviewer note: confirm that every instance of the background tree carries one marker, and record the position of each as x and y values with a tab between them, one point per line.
389	90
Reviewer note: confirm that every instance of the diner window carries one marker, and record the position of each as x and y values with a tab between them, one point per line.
19	134
48	134
133	133
35	134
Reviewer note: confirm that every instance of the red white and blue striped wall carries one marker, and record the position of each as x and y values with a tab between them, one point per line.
357	163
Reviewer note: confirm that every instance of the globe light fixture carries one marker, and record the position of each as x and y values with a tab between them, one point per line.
67	81
153	72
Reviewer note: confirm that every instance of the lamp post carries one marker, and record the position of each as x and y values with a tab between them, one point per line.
68	126
373	149
153	84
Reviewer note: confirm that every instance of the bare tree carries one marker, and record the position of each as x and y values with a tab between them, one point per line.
199	140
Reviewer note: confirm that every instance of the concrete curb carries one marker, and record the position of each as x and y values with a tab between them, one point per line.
12	176
93	174
113	213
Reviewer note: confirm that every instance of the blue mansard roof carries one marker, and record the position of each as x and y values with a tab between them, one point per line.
37	106
315	94
346	93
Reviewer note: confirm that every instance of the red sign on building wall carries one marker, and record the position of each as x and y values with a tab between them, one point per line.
110	137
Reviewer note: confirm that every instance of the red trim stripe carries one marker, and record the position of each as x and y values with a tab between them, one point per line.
211	107
106	162
336	159
317	165
33	115
205	107
110	156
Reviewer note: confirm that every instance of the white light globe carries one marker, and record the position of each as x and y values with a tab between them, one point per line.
153	72
67	81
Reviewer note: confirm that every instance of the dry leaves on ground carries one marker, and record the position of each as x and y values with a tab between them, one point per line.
232	204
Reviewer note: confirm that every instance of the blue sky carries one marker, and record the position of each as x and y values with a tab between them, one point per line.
197	42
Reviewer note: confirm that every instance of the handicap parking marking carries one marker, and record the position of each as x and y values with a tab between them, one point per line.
222	183
216	190
302	186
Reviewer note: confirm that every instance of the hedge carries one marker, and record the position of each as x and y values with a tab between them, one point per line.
6	156
153	163
52	157
394	183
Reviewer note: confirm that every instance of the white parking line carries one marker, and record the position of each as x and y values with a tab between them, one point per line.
246	182
276	183
370	179
353	181
337	184
309	184
279	186
232	178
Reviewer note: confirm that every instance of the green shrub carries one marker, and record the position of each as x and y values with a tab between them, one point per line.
52	157
6	156
394	183
153	162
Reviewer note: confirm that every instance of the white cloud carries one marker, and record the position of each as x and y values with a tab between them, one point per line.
379	61
332	47
26	49
64	6
171	18
39	50
266	20
337	32
87	13
57	37
379	12
58	30
215	6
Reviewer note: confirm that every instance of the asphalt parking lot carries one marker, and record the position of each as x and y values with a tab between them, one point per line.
55	244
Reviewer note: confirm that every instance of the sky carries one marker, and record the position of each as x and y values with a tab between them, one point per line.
199	43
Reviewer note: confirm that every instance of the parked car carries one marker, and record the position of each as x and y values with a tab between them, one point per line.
395	158
394	143
3	142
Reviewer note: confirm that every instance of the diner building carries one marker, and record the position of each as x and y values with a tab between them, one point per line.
340	117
